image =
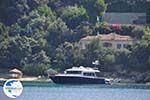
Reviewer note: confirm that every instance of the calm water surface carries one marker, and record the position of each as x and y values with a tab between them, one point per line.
83	92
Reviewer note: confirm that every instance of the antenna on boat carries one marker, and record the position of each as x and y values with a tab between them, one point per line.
96	63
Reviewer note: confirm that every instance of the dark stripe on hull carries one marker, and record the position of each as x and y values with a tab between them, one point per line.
76	80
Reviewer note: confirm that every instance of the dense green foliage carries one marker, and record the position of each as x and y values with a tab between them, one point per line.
141	52
73	15
130	30
38	34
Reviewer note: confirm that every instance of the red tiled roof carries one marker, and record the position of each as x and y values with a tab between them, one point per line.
109	37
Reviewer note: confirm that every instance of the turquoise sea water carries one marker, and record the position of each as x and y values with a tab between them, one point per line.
82	92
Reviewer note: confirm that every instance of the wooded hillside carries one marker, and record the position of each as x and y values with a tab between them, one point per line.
39	34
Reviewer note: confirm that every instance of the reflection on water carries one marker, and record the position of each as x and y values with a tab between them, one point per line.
83	92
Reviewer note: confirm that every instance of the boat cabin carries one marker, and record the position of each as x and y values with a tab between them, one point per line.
82	71
79	75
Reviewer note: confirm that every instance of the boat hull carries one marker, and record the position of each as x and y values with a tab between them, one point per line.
77	80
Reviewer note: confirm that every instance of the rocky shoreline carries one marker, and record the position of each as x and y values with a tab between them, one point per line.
129	77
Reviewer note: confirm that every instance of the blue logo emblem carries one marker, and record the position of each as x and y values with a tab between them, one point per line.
13	88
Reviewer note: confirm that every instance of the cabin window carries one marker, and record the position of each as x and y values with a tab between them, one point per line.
88	74
73	72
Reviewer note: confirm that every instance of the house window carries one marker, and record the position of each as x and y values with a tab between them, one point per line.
106	44
118	46
125	45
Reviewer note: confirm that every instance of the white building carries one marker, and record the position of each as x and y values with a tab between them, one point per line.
111	40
